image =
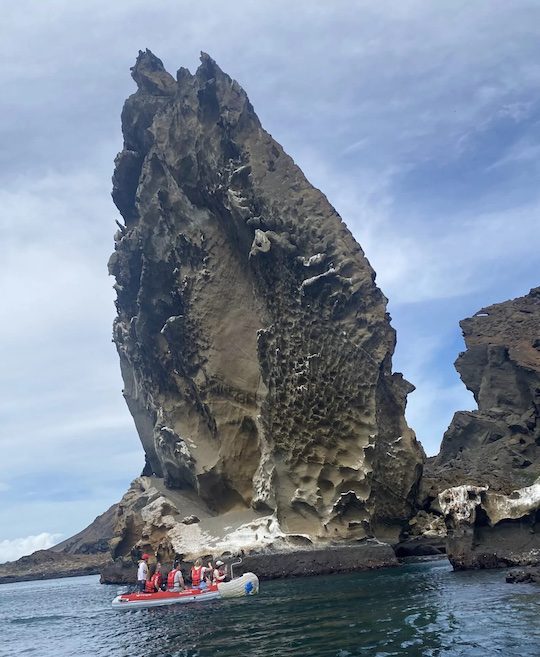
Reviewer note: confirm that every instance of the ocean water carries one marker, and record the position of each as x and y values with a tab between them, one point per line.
419	609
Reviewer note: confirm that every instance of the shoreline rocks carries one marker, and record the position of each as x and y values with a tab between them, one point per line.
491	530
524	575
270	564
48	564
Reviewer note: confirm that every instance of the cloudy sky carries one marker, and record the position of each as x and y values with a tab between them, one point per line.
418	119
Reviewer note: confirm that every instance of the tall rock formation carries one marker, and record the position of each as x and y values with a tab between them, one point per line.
486	478
254	345
499	444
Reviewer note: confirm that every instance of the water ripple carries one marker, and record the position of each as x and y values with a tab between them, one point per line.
419	610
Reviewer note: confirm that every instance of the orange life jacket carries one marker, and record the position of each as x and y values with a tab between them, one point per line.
196	574
154	583
170	578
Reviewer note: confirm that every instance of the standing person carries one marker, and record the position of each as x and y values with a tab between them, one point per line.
220	572
142	572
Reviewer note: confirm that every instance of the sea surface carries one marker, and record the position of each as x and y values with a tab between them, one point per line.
419	609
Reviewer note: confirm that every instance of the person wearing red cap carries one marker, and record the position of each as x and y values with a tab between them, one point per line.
142	573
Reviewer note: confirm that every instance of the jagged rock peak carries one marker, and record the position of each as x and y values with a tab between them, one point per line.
208	65
511	329
255	347
150	74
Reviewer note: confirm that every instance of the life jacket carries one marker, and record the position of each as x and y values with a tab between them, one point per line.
196	574
154	583
170	578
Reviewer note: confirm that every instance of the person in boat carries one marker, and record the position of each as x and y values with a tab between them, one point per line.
158	578
175	579
208	576
197	575
155	581
220	572
142	572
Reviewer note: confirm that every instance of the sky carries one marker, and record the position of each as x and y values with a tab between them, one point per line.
419	120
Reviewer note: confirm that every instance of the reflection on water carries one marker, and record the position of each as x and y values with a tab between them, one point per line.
421	609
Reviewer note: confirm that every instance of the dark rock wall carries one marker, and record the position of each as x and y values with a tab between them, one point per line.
254	344
499	444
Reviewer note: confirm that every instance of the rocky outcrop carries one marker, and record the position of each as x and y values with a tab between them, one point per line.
491	530
272	564
50	564
483	478
524	575
499	444
254	345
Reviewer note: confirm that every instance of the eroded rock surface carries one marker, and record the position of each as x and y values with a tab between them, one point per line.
254	345
487	529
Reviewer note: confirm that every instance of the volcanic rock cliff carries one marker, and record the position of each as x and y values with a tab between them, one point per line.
254	344
485	479
499	444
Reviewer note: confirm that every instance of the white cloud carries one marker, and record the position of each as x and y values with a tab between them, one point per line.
11	550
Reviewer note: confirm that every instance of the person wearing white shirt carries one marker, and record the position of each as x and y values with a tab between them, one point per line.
220	572
142	573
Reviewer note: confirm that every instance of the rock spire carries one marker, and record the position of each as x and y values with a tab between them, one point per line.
255	347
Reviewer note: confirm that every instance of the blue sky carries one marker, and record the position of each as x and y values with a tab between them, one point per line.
419	120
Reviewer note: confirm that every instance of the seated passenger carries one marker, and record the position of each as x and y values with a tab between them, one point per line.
170	576
209	574
149	587
197	575
175	579
154	583
179	584
220	572
158	577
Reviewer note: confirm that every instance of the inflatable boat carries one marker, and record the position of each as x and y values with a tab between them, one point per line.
246	584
